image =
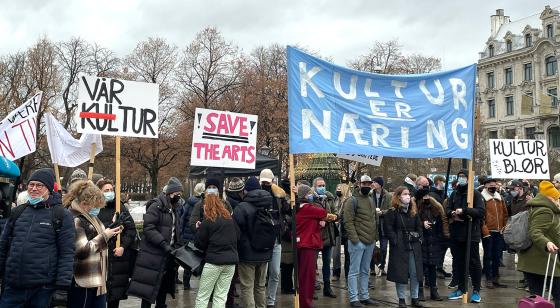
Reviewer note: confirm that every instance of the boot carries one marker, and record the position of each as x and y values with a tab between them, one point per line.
434	295
327	291
416	303
421	294
402	303
497	284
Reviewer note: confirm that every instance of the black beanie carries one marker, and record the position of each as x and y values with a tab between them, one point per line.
379	180
45	176
252	184
215	182
173	185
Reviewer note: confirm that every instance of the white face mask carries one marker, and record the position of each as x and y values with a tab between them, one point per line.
405	199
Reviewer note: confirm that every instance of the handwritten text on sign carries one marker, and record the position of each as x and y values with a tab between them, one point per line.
224	139
18	135
519	159
118	108
374	160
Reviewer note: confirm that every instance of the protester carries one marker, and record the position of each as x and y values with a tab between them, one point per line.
520	197
435	230
89	285
279	208
217	236
234	192
410	182
342	193
37	246
404	230
155	271
326	201
382	201
493	240
556	180
458	211
187	233
252	261
360	222
544	227
287	260
77	175
120	259
213	187
438	192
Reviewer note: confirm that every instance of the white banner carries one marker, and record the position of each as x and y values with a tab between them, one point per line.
374	160
519	159
224	139
65	150
116	107
18	135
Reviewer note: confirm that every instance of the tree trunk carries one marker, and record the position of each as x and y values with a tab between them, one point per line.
154	177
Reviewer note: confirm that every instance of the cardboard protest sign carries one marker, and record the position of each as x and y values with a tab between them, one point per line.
18	135
519	159
115	107
374	160
224	139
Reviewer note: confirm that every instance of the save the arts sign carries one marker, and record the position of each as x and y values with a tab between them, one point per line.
115	107
224	139
519	159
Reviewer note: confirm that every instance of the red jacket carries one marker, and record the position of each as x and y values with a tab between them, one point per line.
308	230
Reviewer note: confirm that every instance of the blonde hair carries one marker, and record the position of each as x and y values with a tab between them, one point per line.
345	190
84	191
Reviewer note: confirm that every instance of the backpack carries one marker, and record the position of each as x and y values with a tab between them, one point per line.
516	232
263	235
57	217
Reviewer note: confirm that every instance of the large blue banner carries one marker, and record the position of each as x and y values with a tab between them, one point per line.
333	109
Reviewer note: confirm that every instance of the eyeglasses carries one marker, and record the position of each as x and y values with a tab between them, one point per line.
38	186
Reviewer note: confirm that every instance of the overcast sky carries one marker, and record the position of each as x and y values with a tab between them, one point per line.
454	31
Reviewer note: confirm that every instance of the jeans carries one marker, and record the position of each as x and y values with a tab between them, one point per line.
358	276
85	297
474	264
252	278
326	256
535	283
216	279
493	247
401	287
29	298
273	274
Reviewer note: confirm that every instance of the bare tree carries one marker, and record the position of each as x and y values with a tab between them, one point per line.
383	57
418	64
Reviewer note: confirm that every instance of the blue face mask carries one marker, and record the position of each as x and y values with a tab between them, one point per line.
462	181
310	198
35	200
109	195
212	191
321	190
94	212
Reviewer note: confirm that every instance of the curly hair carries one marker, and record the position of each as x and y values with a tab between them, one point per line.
396	201
214	208
104	182
84	191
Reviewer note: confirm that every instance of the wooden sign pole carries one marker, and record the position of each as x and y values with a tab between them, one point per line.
57	174
91	161
118	181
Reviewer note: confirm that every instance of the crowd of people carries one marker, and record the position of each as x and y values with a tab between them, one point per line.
78	249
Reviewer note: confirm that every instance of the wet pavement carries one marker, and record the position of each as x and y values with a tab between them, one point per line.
384	292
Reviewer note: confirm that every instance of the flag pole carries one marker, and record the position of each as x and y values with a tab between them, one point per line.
57	175
91	161
294	236
118	181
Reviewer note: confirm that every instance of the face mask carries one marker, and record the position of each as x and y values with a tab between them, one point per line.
212	191
321	190
36	200
94	212
514	193
439	187
421	193
339	193
310	198
365	190
109	195
462	181
405	199
267	187
492	190
175	199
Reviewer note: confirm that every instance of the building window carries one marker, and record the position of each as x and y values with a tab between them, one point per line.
551	65
510	133
509	46
490	77
509	105
508	72
493	134
530	132
554	137
491	50
528	71
528	40
491	108
549	31
553	93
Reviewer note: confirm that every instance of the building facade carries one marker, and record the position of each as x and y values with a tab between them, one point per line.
519	65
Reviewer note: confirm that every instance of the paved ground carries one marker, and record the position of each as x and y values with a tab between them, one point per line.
384	292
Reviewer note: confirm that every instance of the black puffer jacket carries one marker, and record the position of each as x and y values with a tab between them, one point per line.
244	215
219	240
120	269
37	255
186	232
154	250
458	225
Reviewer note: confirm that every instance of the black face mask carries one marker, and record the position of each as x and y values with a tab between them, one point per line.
175	199
339	193
421	193
365	190
492	190
267	187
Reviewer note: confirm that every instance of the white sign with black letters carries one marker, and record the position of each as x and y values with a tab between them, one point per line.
519	159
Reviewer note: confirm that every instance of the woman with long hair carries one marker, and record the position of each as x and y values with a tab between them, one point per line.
88	288
403	228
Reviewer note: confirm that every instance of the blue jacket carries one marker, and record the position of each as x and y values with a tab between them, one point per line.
187	233
37	255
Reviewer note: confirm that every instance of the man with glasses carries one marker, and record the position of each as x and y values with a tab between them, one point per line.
37	246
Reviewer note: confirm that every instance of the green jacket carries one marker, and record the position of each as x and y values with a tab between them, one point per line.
327	233
544	227
361	224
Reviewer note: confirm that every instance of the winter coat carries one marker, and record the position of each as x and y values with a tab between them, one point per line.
437	194
152	261
496	213
287	256
518	204
120	268
186	232
33	254
384	204
233	198
360	224
197	214
308	230
218	239
397	270
280	208
327	233
544	227
433	238
458	225
244	214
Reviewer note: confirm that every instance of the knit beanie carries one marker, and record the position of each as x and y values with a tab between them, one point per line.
303	190
173	186
78	174
199	189
252	184
236	184
546	188
379	180
45	176
215	182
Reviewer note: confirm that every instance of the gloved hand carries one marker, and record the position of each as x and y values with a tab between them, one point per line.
60	297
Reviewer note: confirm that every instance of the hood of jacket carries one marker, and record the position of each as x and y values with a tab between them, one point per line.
278	192
542	201
258	198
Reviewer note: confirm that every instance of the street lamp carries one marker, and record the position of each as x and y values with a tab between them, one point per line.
265	150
